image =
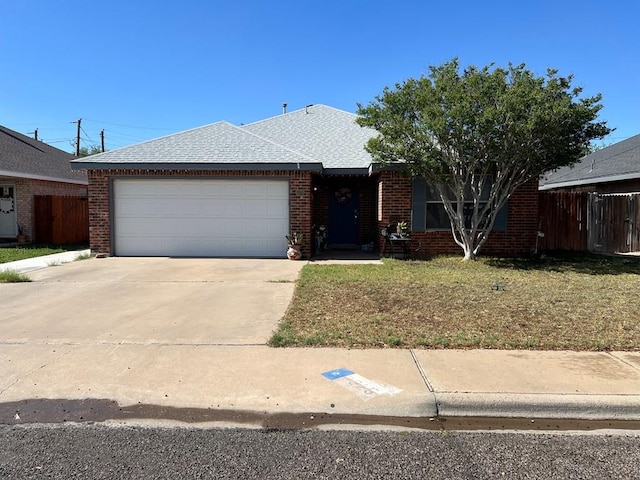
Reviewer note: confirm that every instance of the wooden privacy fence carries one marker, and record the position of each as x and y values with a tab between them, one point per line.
614	222
563	218
596	222
61	220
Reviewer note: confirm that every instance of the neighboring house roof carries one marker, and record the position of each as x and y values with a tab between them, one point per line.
314	138
25	157
620	161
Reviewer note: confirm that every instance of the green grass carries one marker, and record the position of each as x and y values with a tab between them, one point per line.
575	302
10	254
10	276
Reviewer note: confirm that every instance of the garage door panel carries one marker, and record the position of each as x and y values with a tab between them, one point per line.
211	190
134	227
184	217
275	209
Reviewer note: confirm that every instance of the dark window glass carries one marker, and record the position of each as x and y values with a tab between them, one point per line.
429	213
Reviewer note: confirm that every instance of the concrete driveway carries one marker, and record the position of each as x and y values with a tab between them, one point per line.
171	301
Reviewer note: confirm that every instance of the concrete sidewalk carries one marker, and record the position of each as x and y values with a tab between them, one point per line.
383	383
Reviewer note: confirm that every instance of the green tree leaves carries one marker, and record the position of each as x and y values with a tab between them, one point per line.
456	127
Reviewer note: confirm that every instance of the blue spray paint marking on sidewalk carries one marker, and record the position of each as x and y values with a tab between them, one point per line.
361	386
337	373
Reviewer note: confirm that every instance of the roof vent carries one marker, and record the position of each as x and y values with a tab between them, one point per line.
284	108
306	109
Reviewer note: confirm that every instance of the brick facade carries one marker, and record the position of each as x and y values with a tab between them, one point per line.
26	189
394	204
300	199
383	198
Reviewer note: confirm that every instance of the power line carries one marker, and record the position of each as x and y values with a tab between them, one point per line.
125	135
87	135
128	126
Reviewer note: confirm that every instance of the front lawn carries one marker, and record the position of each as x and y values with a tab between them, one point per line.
10	254
574	302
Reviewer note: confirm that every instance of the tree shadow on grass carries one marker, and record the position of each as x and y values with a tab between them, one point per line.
572	262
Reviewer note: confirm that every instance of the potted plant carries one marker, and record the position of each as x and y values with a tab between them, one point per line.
295	241
22	237
402	228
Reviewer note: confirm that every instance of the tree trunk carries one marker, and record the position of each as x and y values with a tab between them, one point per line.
467	246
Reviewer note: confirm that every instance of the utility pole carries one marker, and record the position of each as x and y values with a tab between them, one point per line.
35	134
78	138
102	140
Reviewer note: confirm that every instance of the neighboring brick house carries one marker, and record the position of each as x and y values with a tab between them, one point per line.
29	168
225	190
594	205
614	169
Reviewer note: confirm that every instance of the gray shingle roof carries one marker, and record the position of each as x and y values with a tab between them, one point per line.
311	138
620	161
25	157
325	133
217	144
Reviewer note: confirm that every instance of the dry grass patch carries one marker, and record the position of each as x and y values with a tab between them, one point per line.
578	302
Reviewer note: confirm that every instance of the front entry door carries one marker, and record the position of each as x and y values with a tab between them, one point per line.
8	227
343	213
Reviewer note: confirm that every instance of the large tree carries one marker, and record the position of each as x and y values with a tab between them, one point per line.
477	134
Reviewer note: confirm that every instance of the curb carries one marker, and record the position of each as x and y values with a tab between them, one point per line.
551	406
36	263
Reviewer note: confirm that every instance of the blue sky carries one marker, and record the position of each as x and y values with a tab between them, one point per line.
141	69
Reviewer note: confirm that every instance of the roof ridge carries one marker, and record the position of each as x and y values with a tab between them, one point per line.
279	145
340	110
23	138
257	122
268	119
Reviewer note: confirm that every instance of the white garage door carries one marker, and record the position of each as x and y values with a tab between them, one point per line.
191	218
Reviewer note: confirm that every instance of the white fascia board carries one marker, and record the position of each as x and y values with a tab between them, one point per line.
589	181
5	173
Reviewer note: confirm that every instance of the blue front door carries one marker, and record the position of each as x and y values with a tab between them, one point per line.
343	213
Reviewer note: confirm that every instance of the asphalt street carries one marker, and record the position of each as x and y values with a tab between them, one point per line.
101	452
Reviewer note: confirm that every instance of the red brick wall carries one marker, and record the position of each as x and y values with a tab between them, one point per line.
320	201
24	206
99	214
394	199
519	237
300	209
